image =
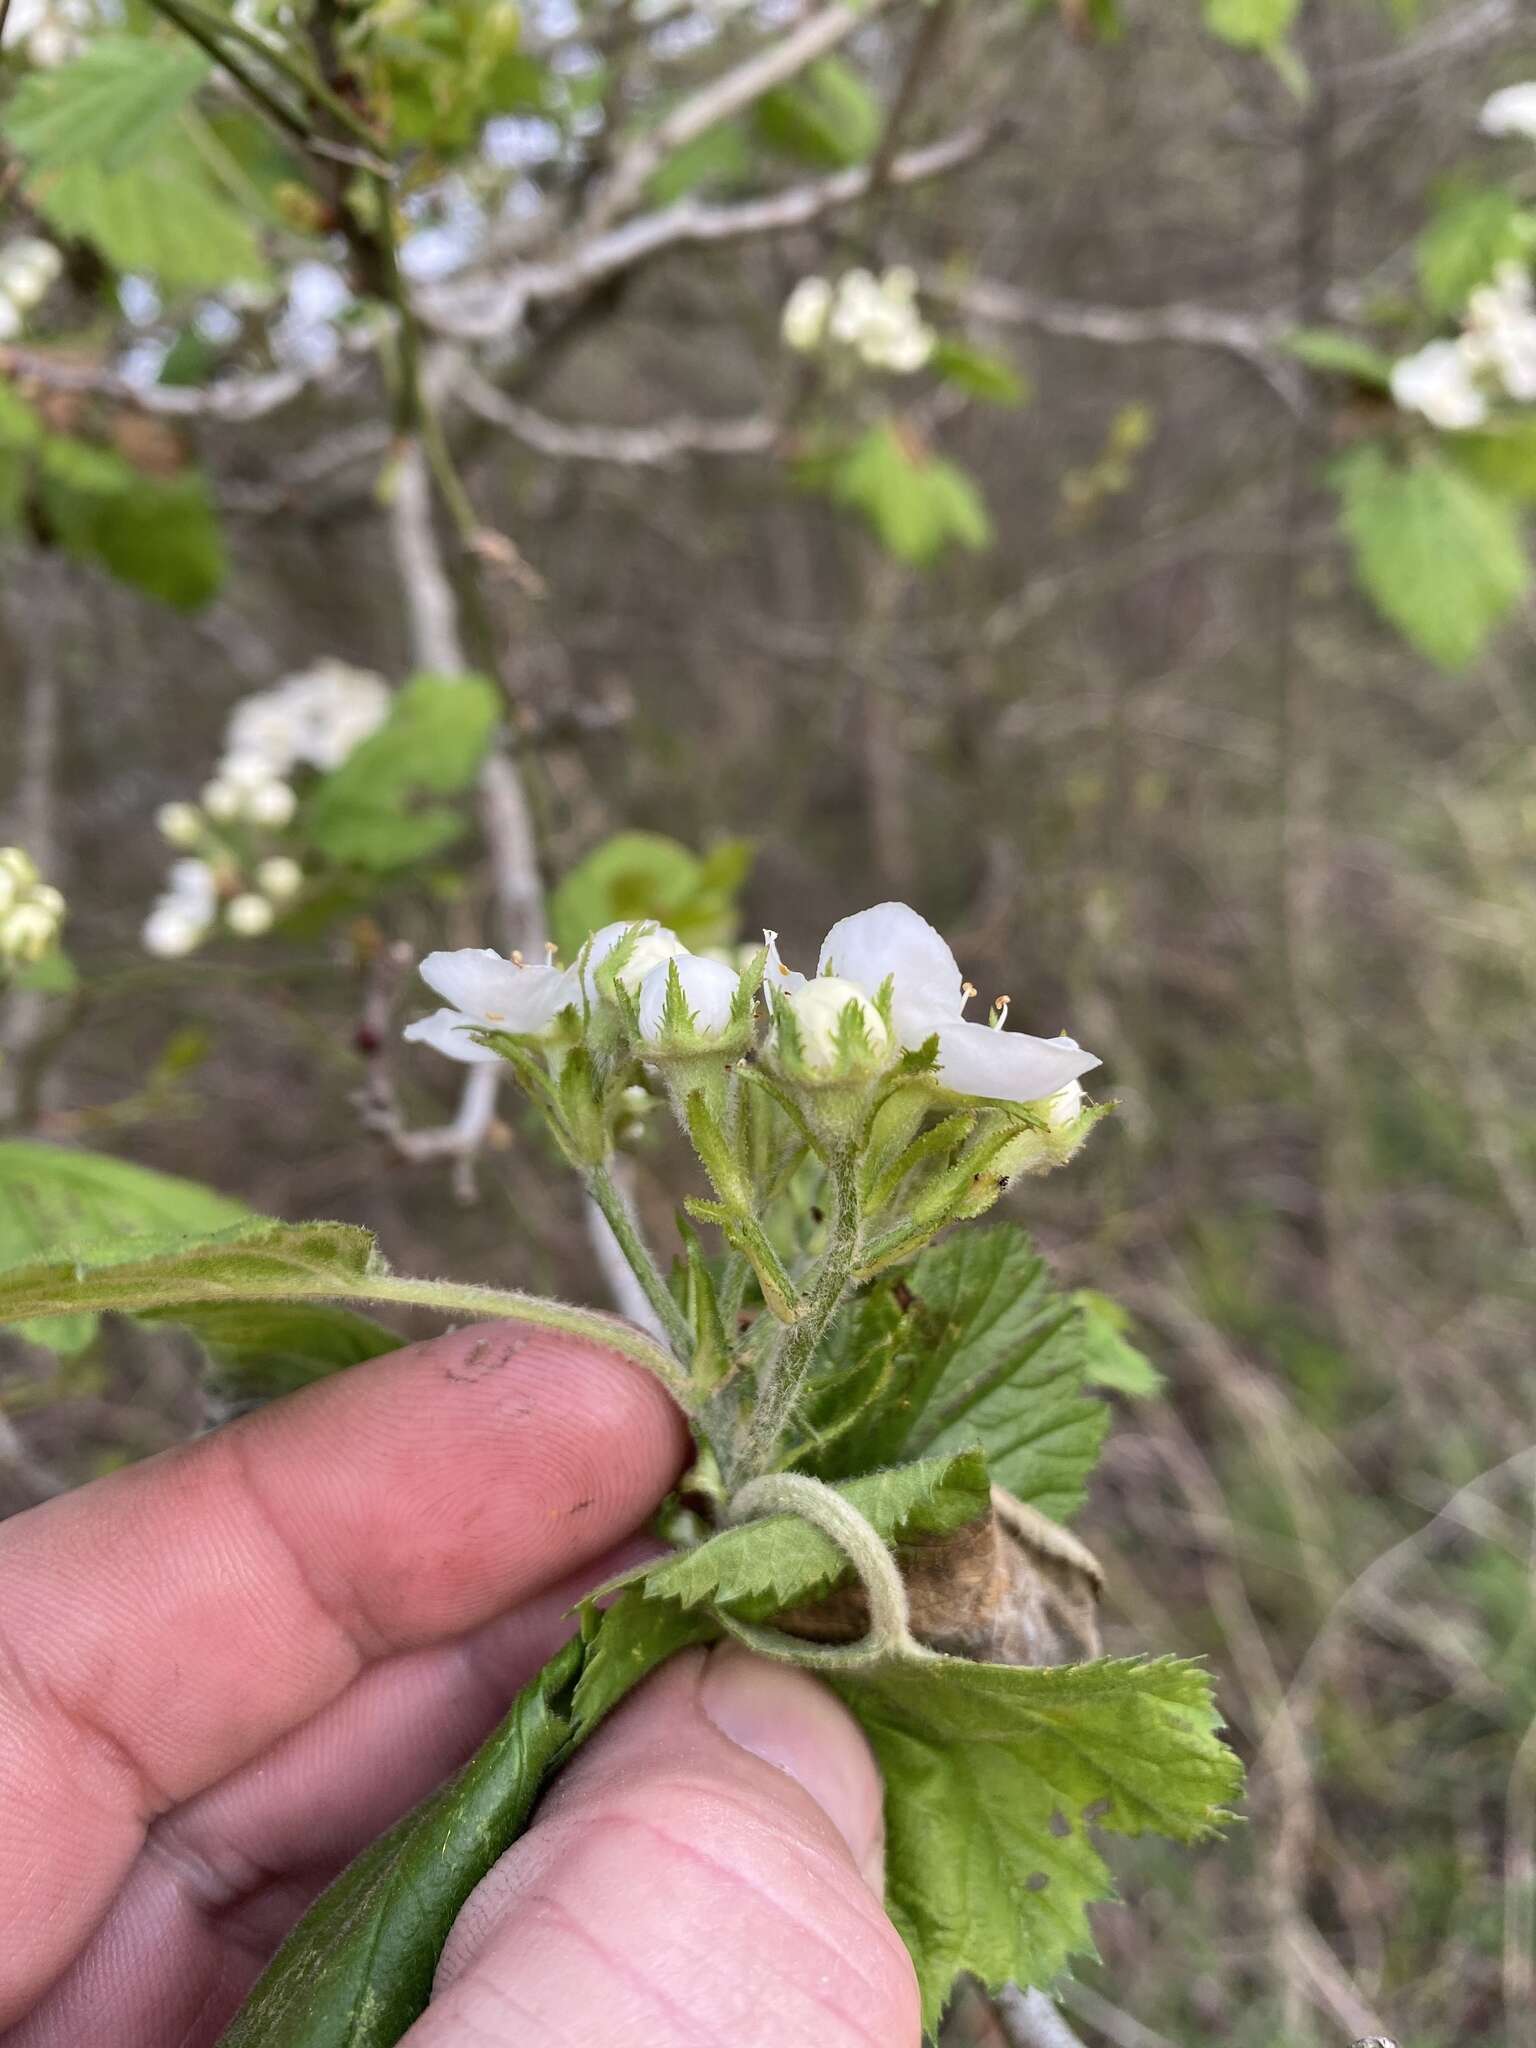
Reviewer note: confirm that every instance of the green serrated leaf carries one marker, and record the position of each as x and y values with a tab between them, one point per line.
371	812
991	1776
357	1970
987	1351
918	504
760	1569
52	1197
107	108
162	214
265	1261
1443	557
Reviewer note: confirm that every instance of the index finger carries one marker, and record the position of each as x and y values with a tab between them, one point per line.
164	1625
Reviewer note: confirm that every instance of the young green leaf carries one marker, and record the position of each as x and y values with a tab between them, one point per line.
980	372
917	503
1475	229
157	533
162	214
357	1970
993	1777
106	108
1109	1359
988	1352
370	811
51	1197
1342	355
265	1261
1443	557
828	116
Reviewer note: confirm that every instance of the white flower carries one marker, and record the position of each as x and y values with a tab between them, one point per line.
820	1009
169	931
647	945
1066	1105
28	267
222	800
280	878
1501	331
195	885
1510	111
878	318
179	824
1439	382
928	998
709	989
31	910
803	322
249	915
488	993
333	708
270	803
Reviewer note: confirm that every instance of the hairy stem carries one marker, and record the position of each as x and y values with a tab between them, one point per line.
621	1221
783	1377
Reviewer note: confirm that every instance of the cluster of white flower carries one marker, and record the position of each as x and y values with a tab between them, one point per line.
1453	383
886	984
874	317
52	32
310	720
31	910
1511	111
28	267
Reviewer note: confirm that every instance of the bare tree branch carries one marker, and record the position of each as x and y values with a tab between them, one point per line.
1254	337
658	446
720	99
490	308
1032	2021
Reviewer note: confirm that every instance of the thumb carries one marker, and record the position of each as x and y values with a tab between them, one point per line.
708	1871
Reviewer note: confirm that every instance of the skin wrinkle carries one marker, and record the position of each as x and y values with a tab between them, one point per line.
625	1971
748	1881
376	1477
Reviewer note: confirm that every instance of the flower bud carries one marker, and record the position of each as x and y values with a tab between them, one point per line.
31	910
170	932
249	915
270	803
280	878
803	322
831	1029
686	999
222	800
179	824
623	955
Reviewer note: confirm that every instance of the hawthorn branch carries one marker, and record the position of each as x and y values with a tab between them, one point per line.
485	308
1255	338
722	98
661	445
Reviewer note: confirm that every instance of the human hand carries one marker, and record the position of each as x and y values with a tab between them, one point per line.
225	1670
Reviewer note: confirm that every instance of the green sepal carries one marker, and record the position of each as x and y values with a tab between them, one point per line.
747	1236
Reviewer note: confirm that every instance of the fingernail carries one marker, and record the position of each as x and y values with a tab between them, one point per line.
793	1722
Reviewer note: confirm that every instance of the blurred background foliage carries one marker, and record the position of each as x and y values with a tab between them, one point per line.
1185	681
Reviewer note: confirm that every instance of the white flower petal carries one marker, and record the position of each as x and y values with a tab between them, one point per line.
819	1007
778	980
1008	1066
448	1031
476	979
891	939
653	943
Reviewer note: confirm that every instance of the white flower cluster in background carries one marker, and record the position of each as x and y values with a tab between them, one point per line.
28	268
876	318
234	867
52	32
1511	111
1453	383
31	910
886	984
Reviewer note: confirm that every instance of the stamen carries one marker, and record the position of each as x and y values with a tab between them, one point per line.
1000	1010
967	993
551	951
517	958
